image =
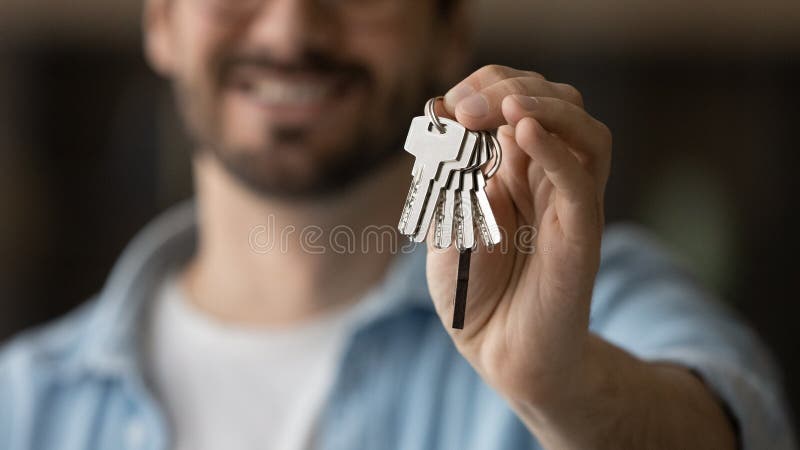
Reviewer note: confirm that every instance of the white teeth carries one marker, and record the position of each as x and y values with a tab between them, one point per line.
283	92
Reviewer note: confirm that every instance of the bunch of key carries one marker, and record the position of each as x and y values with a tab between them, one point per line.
448	189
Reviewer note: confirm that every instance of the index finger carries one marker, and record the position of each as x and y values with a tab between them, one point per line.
480	79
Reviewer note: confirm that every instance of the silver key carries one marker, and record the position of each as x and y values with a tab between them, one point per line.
484	217
430	148
447	170
485	220
438	216
470	207
447	208
443	227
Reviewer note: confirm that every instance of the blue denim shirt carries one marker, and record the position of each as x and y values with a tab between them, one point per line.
79	383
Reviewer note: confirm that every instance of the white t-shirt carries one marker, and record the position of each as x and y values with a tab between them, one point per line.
238	388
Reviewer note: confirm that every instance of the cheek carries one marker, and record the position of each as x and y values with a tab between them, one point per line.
195	48
199	39
197	42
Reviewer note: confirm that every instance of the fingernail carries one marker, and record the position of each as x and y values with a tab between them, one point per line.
455	95
527	103
474	105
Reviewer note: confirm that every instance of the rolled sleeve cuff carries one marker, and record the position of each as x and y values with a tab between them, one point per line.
759	413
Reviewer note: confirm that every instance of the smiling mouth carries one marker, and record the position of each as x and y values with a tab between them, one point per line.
275	91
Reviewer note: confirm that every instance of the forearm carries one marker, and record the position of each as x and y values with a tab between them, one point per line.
621	402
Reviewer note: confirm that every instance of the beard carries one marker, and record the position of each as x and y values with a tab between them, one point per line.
288	167
349	165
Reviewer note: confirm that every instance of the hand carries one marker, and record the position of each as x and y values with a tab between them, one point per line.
526	329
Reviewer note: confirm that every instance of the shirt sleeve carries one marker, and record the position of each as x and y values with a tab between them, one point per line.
644	303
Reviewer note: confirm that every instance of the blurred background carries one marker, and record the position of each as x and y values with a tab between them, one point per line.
702	98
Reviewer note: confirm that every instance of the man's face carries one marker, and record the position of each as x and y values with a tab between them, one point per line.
298	97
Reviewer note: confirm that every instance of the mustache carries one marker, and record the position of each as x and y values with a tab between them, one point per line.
315	62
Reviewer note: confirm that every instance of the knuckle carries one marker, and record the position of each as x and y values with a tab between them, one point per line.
535	75
606	134
571	93
494	70
516	85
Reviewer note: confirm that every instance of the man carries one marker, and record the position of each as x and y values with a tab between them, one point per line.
208	337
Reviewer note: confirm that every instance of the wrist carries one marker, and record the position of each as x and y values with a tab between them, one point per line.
603	393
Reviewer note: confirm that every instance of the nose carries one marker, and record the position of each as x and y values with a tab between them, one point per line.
289	28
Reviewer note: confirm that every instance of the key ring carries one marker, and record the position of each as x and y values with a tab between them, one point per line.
497	154
430	112
492	143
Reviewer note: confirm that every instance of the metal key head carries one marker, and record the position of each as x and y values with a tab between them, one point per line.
425	141
431	149
468	181
483	155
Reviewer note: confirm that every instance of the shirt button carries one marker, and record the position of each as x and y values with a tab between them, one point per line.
135	434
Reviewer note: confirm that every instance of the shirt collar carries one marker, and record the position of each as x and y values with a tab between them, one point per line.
110	344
